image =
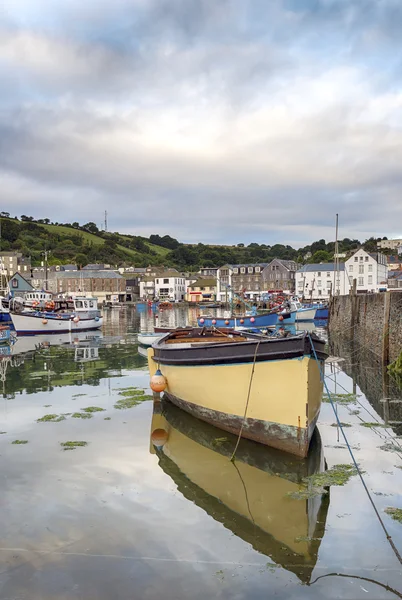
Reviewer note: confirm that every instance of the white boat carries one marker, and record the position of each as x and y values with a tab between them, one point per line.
67	316
147	339
302	313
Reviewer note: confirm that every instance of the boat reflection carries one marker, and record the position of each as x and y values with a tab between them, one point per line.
249	496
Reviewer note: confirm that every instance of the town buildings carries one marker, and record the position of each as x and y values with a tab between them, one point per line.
105	285
14	262
224	283
170	285
369	269
280	275
202	290
247	279
395	244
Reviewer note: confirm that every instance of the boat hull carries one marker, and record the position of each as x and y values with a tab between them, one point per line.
283	405
32	325
305	314
321	313
248	322
147	339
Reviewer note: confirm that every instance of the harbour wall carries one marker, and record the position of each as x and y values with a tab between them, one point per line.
373	321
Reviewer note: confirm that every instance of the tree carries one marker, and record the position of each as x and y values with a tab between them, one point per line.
91	227
75	225
5	214
82	260
320	256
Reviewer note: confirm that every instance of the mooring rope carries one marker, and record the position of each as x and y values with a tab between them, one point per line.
247	401
322	376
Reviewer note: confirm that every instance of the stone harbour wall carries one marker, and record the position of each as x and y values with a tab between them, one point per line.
374	321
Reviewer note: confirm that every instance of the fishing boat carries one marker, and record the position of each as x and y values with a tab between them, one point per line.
6	335
4	311
303	313
267	389
248	321
66	315
251	498
321	313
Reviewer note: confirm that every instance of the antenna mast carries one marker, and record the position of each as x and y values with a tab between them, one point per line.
105	220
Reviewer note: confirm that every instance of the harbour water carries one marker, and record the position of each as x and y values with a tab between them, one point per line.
149	505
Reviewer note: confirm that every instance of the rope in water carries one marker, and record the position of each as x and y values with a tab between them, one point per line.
322	376
247	401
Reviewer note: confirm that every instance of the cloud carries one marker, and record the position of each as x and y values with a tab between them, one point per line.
219	122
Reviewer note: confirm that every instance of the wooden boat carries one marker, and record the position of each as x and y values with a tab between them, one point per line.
67	315
269	388
148	338
250	498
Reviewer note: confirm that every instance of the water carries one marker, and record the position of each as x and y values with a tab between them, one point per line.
135	514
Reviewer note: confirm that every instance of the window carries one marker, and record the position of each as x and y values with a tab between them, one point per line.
370	279
361	269
250	270
157	281
328	274
319	274
319	283
361	259
258	269
78	304
319	292
370	268
242	269
350	268
356	258
235	270
166	281
366	258
360	281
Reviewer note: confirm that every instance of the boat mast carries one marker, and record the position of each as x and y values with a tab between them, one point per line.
336	261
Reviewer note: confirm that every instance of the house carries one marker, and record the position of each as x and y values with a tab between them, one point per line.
319	281
18	284
14	262
224	283
394	262
96	267
147	287
105	285
170	285
132	289
209	271
369	269
248	279
389	244
280	275
203	289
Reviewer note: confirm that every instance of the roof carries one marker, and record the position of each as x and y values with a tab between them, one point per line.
86	274
250	265
321	267
204	282
291	265
172	273
394	259
69	267
97	267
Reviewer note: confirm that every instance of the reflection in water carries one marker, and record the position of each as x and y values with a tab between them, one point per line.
250	496
381	390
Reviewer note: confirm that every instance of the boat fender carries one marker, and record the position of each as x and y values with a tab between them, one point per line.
76	319
44	321
158	382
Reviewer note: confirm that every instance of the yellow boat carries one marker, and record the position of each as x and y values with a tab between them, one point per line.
267	388
249	497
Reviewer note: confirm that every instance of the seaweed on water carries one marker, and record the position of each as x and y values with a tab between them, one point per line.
395	513
73	445
315	485
93	409
51	419
390	447
81	415
78	395
133	400
341	398
19	442
343	424
371	425
107	419
131	392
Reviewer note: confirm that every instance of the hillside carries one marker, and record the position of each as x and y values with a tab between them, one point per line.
83	244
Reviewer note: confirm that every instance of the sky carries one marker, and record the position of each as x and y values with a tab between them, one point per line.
215	121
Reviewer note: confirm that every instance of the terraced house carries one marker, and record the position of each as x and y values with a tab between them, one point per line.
248	279
280	275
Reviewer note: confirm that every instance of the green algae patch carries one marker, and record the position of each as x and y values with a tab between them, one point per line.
47	405
73	445
132	399
390	447
219	441
93	409
372	425
395	513
317	484
342	424
131	392
51	419
3	432
78	395
19	442
107	419
81	415
341	398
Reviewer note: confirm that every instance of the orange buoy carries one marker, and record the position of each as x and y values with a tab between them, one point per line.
159	437
158	382
44	321
76	319
280	318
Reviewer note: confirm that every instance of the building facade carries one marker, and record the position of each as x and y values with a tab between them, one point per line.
247	279
224	284
370	271
318	281
280	275
202	290
171	286
389	244
147	287
15	262
106	286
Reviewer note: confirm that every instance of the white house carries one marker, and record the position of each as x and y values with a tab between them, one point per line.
319	281
170	285
147	288
224	283
369	269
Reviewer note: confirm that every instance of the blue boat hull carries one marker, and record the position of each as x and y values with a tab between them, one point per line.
321	313
249	322
5	317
